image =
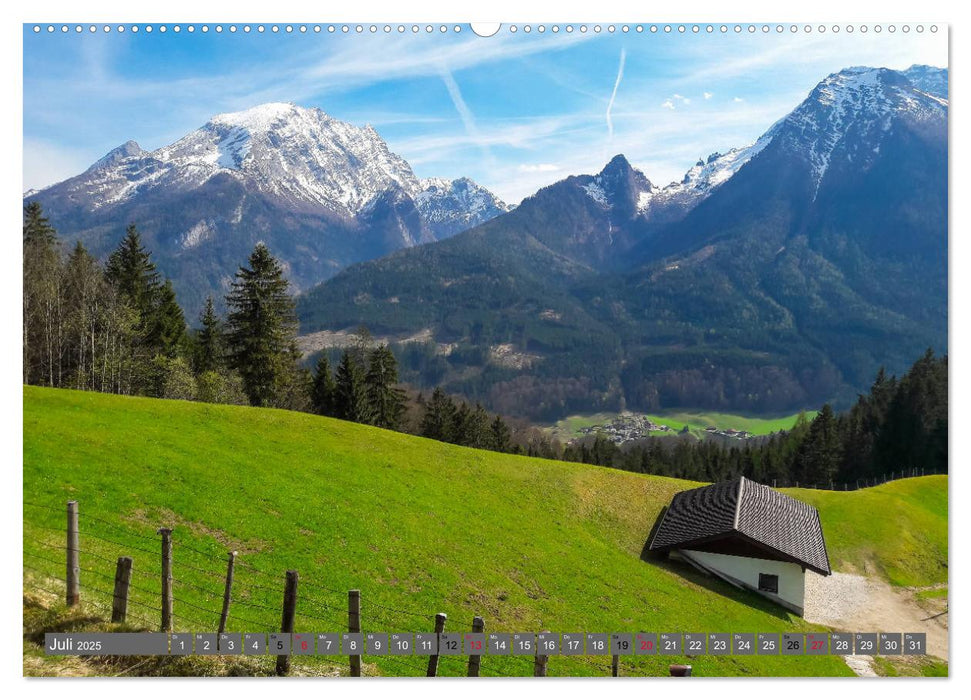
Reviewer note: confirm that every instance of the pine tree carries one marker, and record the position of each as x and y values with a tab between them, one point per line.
131	271
470	426
384	401
499	435
818	458
209	342
324	389
348	389
479	428
916	419
165	332
261	335
438	421
37	228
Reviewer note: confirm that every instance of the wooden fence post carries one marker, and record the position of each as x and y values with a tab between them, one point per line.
615	666
119	604
228	593
286	624
433	659
539	661
475	660
166	533
354	625
73	556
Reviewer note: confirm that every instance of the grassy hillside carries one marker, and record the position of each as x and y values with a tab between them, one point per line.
897	531
419	526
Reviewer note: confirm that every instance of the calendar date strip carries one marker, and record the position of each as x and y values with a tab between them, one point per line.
484	644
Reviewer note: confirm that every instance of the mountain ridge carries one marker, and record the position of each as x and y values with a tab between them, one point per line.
296	178
811	258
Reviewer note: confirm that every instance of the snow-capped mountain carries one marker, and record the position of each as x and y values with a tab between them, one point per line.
844	121
850	147
661	205
931	80
300	156
772	277
847	109
847	116
307	184
450	206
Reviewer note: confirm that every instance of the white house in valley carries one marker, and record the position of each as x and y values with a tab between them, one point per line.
748	534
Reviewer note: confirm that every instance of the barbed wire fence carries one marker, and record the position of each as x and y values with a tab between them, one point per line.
241	597
864	482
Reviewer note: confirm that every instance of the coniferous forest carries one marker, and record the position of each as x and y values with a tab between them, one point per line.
117	327
898	426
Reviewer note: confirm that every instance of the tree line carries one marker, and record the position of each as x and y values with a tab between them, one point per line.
118	328
899	424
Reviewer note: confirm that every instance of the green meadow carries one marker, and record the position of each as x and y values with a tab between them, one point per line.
696	421
418	526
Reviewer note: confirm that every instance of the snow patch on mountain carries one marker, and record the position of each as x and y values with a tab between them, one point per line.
202	231
644	199
596	192
703	178
234	148
448	206
855	106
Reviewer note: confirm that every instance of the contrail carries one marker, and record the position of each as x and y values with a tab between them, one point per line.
613	95
468	119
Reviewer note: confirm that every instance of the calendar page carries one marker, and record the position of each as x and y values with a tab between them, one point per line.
485	350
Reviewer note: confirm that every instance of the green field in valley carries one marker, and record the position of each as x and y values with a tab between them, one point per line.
696	421
418	526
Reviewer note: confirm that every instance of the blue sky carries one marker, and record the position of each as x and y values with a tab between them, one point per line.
515	111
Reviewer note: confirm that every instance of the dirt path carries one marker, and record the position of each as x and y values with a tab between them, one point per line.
852	603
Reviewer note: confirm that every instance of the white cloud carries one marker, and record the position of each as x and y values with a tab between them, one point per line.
393	58
676	99
738	99
528	134
537	168
708	95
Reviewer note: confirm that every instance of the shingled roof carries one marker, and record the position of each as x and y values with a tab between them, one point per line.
757	519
